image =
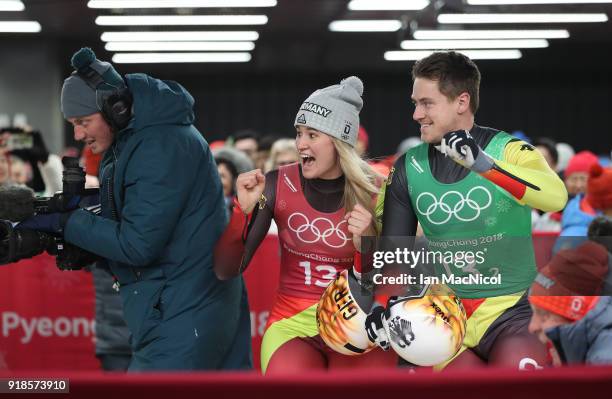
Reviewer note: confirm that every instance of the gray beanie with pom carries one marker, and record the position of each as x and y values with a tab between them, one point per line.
78	98
334	110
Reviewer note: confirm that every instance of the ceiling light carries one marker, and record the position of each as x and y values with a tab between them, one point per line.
386	5
19	27
179	36
179	46
141	58
523	2
473	54
179	3
117	20
11	5
365	25
520	18
491	34
471	44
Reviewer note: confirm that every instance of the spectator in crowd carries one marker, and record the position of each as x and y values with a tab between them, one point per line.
406	144
43	170
112	344
162	212
577	172
363	141
582	209
247	141
546	221
231	163
21	172
283	153
91	164
215	145
599	189
568	315
519	134
263	150
5	170
384	165
548	149
600	230
565	153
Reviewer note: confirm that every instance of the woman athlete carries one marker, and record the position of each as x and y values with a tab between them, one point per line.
322	206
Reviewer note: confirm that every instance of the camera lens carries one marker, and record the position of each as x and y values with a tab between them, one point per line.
17	244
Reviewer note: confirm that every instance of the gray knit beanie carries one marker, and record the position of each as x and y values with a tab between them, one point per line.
78	98
239	159
334	110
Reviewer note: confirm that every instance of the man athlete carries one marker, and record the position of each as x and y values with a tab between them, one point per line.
469	182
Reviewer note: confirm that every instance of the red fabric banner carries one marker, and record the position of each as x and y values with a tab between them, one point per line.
46	317
261	278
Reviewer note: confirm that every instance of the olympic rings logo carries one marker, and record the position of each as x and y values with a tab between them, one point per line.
446	207
320	229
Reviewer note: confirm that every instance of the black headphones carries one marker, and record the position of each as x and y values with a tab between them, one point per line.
116	107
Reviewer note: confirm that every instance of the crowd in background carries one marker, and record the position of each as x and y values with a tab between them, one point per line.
581	329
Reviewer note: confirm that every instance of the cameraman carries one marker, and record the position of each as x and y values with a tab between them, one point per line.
162	212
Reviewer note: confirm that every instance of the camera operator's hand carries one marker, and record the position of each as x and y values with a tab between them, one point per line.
48	222
89	198
38	152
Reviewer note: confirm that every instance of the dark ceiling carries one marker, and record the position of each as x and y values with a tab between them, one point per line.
296	37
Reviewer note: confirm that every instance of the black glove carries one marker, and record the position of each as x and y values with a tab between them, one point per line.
47	222
462	148
374	325
71	257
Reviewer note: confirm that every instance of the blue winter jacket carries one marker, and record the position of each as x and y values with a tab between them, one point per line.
575	222
574	225
588	340
162	213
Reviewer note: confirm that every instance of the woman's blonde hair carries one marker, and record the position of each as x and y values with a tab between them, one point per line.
280	146
361	182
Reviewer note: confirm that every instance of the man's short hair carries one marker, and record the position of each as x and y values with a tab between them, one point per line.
246	134
455	74
549	144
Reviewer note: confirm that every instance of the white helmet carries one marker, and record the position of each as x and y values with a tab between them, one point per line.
341	316
427	329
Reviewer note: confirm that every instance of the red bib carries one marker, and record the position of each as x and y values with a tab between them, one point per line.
314	245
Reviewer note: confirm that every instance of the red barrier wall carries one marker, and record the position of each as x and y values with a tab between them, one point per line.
564	383
46	315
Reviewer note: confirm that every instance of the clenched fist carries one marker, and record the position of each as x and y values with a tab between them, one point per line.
359	222
249	188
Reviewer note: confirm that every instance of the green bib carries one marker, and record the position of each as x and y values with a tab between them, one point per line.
474	216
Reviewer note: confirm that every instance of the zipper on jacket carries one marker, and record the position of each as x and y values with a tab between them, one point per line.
111	198
111	182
